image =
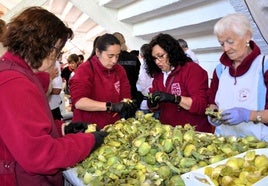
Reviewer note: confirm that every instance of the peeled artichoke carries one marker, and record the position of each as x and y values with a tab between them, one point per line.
142	151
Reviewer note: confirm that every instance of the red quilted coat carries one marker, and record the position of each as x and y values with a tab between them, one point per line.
31	150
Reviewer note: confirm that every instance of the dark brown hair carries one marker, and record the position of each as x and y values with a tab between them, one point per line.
73	58
171	46
33	34
2	28
106	40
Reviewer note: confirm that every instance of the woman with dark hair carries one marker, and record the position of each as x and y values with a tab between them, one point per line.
93	52
179	86
2	30
32	151
100	85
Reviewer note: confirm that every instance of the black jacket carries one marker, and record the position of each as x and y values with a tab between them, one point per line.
131	64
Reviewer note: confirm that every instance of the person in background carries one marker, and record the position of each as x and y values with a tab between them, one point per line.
131	64
188	51
54	97
32	149
135	52
67	71
179	88
144	81
2	30
242	76
100	85
81	59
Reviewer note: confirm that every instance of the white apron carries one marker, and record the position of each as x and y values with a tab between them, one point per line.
249	92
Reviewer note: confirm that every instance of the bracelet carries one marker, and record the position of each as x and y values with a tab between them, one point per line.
258	117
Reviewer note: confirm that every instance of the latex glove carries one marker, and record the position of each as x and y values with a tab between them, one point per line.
139	98
214	121
74	127
158	97
166	97
125	109
99	138
152	102
235	115
118	107
130	110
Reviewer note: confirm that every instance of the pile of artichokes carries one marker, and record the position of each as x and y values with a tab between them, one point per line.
143	151
241	171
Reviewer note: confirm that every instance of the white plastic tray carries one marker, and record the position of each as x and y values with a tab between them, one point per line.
71	176
190	178
195	177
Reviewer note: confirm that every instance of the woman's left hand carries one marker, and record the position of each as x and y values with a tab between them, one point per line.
235	115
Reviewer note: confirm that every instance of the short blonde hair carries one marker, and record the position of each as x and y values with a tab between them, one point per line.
122	40
238	23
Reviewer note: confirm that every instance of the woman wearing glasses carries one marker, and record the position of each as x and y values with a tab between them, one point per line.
179	87
32	151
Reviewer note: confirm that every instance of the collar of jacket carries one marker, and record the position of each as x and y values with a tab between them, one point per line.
9	56
246	63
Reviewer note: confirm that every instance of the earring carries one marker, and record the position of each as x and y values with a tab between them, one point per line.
247	43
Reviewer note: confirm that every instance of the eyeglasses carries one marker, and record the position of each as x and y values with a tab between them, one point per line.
160	57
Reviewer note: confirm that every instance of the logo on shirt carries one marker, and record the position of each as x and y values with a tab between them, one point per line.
117	86
176	89
243	95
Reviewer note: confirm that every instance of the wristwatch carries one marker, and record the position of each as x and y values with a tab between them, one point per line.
177	99
108	106
258	117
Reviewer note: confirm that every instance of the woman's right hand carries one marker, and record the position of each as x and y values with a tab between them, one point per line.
74	127
125	109
99	138
213	115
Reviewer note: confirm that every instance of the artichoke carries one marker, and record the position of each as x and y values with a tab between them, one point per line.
142	151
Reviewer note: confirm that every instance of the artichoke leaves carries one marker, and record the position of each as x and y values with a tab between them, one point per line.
143	151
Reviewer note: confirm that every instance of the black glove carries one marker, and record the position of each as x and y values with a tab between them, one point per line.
125	109
152	102
118	107
75	127
158	97
99	138
139	97
130	110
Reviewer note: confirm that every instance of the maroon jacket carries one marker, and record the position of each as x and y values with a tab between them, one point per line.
189	80
94	81
242	69
31	151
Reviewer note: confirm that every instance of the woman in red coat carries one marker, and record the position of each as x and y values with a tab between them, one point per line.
32	151
179	87
100	84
